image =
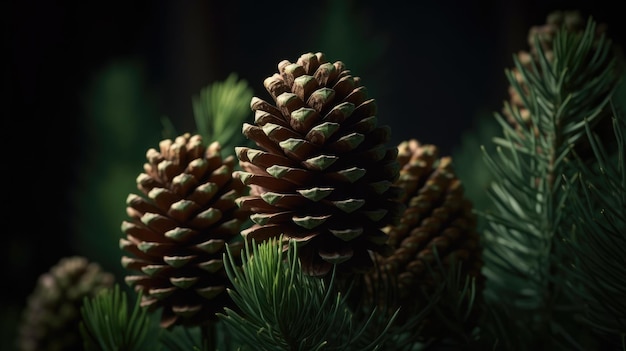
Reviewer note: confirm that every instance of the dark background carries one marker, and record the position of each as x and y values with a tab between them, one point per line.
87	83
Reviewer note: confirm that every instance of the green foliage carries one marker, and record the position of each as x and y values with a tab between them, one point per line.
213	336
284	309
220	108
524	249
599	238
454	306
108	325
457	303
182	338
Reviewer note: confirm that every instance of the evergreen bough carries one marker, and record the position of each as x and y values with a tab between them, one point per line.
109	324
284	309
599	237
528	286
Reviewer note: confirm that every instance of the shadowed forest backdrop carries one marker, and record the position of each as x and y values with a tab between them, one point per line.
88	83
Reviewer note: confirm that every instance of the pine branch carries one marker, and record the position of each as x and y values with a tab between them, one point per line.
108	324
598	201
284	309
220	109
456	305
559	92
182	338
451	306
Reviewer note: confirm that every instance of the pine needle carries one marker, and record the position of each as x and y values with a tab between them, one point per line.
564	96
600	238
284	309
220	110
108	325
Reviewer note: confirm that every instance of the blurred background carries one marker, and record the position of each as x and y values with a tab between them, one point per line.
87	85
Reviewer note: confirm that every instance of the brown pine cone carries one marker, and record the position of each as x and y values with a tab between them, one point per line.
322	175
179	229
52	316
437	217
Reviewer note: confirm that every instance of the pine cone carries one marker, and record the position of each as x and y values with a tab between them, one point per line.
52	316
179	229
323	175
437	216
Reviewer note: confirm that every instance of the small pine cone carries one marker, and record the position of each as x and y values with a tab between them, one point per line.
179	229
323	176
52	316
437	217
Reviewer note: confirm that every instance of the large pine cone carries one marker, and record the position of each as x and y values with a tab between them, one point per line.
179	229
323	175
52	316
438	217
